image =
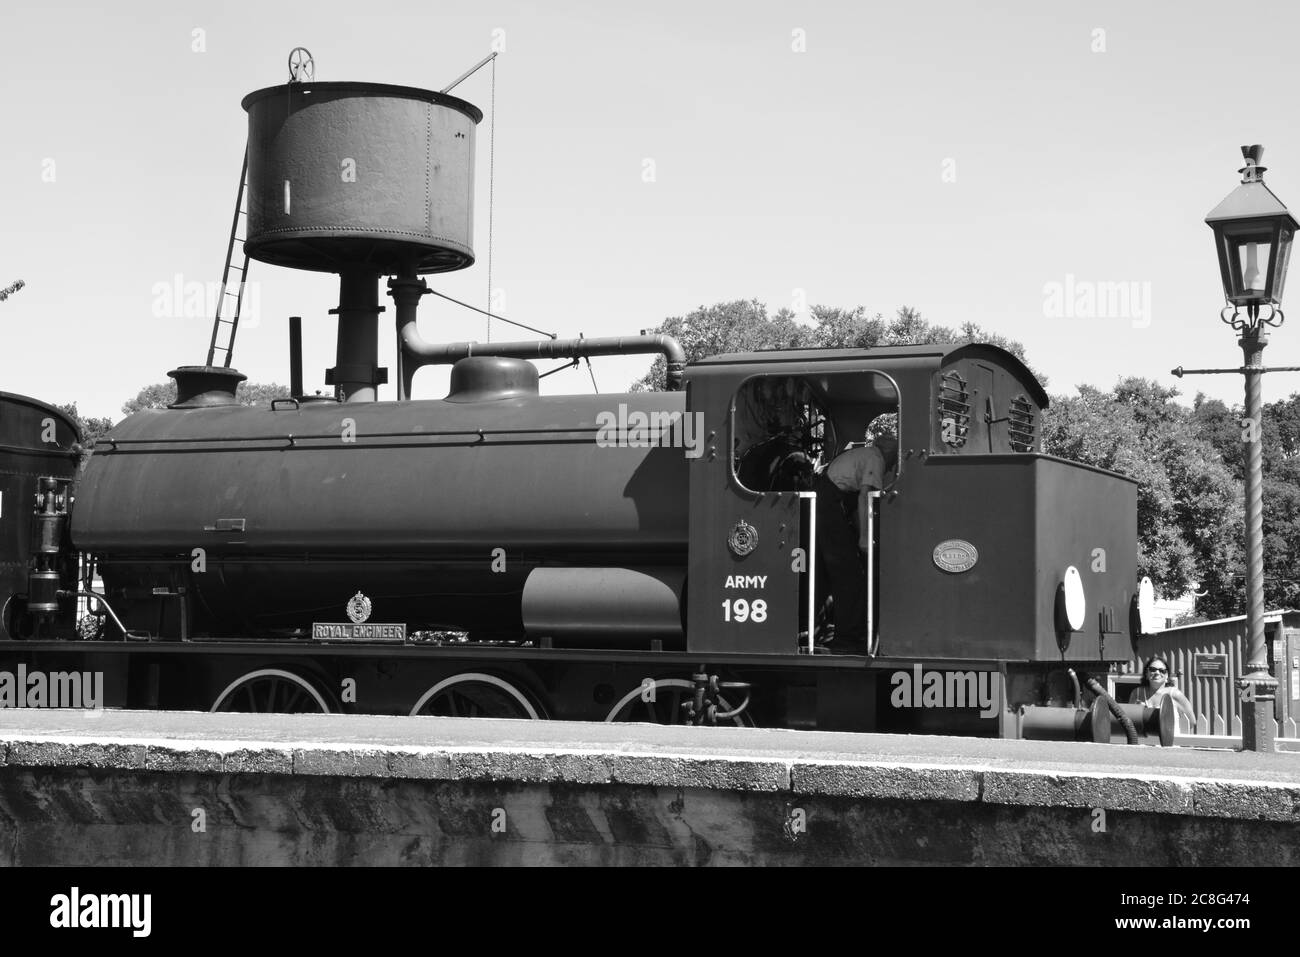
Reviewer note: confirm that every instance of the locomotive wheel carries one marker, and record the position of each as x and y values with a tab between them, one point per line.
271	691
667	706
475	695
16	620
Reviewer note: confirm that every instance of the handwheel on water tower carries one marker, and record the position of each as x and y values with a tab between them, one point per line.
302	67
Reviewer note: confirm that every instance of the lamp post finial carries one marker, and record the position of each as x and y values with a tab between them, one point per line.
1252	172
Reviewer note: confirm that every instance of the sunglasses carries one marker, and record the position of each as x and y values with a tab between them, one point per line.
1157	671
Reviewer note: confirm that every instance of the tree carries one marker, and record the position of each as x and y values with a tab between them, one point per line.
162	394
1224	429
90	428
1221	427
739	326
838	328
9	290
854	329
1282	535
156	396
745	326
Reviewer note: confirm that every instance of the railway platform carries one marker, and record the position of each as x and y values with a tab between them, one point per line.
120	787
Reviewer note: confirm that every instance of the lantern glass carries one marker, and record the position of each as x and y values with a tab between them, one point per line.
1283	257
1252	264
1249	259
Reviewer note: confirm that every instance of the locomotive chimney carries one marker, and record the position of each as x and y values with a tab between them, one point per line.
295	356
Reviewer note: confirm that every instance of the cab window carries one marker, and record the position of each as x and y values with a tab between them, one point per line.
780	434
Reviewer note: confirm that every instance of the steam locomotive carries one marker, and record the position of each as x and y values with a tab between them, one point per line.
497	552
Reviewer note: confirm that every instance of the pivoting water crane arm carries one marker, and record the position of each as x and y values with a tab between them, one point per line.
415	352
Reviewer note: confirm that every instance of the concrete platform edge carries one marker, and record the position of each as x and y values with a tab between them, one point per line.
868	779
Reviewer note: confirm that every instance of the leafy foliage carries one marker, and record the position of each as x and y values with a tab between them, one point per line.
91	428
162	394
739	326
854	329
1221	426
745	326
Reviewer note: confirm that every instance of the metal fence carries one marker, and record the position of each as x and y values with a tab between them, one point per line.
1205	660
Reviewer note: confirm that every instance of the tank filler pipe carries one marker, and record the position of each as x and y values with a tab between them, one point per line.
414	352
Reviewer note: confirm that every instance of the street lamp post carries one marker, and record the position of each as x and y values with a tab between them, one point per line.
1253	232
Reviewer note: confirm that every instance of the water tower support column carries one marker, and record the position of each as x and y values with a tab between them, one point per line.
357	375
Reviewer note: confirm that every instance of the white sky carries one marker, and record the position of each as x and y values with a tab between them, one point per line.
776	171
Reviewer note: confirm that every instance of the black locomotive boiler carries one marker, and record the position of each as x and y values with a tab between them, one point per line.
638	556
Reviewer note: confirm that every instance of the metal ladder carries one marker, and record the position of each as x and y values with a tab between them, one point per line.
228	344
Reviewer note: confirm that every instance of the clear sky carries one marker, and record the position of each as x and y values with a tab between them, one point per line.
957	157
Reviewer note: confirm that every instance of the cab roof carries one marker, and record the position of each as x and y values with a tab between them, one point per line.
930	355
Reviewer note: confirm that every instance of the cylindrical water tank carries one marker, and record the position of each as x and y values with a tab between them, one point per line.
360	175
294	522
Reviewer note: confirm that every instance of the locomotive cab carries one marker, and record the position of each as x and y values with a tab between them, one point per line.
771	425
972	535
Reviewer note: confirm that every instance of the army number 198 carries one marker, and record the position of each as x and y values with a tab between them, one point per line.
740	610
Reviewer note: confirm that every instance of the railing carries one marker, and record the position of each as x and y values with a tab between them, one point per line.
1211	732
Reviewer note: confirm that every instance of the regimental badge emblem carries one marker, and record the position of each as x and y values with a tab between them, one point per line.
358	608
358	629
743	538
956	555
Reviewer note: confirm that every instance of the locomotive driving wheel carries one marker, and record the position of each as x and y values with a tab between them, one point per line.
476	695
271	691
666	707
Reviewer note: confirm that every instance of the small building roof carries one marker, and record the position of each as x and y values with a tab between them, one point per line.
1269	616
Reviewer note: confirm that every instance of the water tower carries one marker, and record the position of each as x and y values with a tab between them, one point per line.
364	180
369	180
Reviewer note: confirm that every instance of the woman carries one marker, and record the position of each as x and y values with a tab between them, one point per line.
1155	686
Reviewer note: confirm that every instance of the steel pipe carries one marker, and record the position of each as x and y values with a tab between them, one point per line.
414	352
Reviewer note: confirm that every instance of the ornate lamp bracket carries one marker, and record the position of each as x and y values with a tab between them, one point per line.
1249	325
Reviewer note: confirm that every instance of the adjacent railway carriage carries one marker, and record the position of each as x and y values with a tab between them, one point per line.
37	464
641	556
